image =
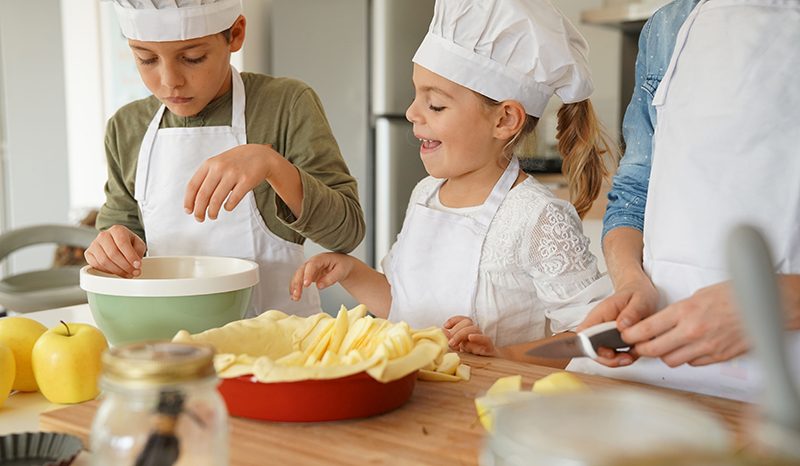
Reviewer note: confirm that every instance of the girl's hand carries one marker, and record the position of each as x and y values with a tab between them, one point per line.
325	269
116	250
464	335
229	175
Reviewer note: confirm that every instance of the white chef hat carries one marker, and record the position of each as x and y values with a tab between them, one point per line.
169	20
522	50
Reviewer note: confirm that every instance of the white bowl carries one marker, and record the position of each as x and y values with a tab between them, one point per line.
192	293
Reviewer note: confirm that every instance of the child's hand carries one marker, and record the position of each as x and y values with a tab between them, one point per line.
229	175
464	335
325	269
116	250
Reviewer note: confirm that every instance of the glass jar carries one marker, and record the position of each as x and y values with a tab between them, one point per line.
160	407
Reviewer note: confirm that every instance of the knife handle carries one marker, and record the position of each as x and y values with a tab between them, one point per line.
605	335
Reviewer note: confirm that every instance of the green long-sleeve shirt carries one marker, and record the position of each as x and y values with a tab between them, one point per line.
283	112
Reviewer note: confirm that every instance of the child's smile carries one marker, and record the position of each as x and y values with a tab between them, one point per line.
455	127
429	145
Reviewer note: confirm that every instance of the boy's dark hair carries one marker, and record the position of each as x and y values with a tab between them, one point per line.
227	34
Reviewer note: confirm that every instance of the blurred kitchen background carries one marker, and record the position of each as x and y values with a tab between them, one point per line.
65	68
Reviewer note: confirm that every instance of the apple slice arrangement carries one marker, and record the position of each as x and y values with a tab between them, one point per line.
63	362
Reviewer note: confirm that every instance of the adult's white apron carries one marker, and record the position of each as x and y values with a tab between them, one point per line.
726	152
436	261
168	158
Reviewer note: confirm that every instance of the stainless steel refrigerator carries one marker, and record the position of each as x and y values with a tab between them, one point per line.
356	54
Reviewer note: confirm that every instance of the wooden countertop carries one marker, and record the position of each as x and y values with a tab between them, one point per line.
437	426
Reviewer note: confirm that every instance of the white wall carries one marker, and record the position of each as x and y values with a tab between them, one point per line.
33	119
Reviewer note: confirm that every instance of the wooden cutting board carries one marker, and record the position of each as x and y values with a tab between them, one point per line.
437	426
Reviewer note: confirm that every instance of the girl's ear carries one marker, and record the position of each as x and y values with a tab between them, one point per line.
512	117
237	34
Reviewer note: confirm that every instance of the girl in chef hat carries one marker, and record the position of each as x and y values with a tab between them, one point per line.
485	250
253	153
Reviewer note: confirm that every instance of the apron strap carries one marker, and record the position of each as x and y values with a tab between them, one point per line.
237	123
680	43
143	167
489	209
499	192
237	119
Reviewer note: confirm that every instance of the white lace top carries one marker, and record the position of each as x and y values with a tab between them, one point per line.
535	265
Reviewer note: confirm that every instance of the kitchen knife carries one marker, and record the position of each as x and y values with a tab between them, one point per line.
585	343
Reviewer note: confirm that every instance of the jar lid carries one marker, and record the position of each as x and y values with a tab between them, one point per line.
156	363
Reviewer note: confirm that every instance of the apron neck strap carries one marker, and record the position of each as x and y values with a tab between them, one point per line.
499	192
237	124
492	203
680	42
238	98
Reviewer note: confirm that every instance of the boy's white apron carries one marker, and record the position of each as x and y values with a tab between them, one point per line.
702	185
168	158
436	261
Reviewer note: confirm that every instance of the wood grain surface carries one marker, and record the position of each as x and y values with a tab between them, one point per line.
437	426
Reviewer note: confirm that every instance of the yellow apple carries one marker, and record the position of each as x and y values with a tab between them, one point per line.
8	369
67	364
19	334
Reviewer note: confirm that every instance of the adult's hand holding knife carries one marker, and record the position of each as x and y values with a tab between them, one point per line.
583	344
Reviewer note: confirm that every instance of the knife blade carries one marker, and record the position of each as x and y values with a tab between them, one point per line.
583	344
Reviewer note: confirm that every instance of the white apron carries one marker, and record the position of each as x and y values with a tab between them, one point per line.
168	158
744	166
436	261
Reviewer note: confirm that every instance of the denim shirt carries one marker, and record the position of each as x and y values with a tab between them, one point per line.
628	194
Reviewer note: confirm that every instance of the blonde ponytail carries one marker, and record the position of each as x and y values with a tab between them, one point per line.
583	144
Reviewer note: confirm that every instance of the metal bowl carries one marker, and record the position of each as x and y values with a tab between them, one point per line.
39	448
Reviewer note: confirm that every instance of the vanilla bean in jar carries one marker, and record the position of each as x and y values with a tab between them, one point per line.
160	407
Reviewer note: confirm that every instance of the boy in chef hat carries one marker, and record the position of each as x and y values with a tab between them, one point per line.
253	153
485	250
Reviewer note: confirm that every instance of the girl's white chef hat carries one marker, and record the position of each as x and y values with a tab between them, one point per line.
169	20
522	50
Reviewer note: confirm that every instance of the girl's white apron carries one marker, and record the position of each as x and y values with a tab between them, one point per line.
736	76
168	158
436	261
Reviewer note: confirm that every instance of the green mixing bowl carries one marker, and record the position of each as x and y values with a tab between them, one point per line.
192	293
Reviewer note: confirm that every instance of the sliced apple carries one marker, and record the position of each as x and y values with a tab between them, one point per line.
436	376
512	383
463	372
559	383
450	362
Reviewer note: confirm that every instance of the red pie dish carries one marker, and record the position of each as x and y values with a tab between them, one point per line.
352	397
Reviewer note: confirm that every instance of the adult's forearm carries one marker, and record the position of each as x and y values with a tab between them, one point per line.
790	292
623	250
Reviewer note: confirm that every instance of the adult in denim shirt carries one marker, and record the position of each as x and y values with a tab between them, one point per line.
704	328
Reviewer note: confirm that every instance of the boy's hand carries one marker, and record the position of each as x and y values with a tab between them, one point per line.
464	335
325	269
229	175
116	250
